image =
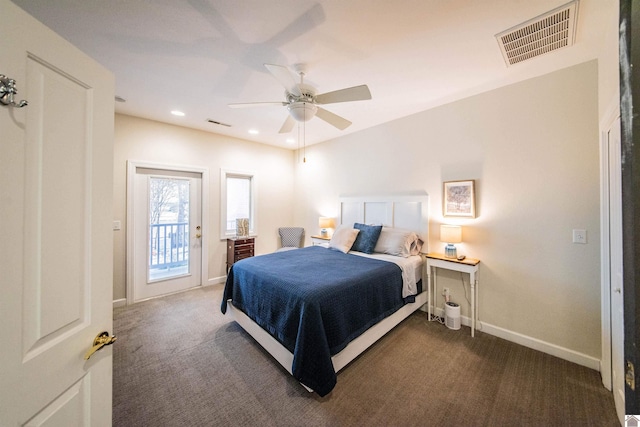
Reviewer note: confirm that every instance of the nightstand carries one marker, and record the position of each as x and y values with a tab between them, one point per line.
239	248
467	265
320	241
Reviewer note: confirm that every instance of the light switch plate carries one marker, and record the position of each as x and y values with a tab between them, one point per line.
116	225
579	236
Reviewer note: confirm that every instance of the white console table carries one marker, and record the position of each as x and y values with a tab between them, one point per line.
320	241
467	265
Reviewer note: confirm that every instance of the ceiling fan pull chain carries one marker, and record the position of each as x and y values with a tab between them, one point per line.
298	141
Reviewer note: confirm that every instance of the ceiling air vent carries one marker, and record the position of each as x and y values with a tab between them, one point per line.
215	122
548	32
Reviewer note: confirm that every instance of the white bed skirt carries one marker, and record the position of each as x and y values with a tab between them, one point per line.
340	360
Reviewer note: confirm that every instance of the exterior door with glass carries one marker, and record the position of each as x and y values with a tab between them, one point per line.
167	232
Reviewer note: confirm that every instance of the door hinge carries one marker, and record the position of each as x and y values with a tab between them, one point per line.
630	376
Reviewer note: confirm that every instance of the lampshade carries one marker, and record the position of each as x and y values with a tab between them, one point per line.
326	222
450	233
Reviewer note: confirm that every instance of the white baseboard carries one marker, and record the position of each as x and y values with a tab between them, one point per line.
209	282
215	281
119	302
533	343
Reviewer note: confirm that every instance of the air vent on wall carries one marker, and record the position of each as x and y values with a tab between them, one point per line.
548	32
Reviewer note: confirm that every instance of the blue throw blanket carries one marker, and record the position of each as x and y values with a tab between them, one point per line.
314	301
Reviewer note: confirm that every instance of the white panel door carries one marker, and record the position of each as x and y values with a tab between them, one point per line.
56	191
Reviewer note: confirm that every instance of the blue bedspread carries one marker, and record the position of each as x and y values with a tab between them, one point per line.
314	301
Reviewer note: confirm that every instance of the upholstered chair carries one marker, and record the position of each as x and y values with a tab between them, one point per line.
291	238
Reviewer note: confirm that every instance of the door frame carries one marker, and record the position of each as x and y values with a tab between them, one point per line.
132	166
605	253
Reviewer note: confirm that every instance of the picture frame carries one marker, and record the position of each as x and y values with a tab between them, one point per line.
459	199
242	227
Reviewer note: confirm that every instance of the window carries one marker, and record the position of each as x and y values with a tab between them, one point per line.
237	201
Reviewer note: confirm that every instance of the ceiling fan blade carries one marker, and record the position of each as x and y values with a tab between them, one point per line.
257	104
284	76
333	119
356	93
288	124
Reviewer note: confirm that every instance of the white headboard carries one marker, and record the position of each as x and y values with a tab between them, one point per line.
401	211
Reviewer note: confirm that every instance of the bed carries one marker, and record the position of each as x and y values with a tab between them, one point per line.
315	309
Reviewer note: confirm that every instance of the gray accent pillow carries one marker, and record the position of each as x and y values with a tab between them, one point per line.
398	242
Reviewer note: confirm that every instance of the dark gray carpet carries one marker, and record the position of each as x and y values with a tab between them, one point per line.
179	362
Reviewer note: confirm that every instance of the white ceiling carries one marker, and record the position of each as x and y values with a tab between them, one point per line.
197	56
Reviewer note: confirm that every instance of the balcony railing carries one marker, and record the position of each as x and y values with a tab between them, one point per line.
169	244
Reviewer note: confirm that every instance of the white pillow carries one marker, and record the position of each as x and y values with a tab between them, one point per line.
398	242
343	239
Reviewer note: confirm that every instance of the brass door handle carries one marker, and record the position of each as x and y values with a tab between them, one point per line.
100	341
198	236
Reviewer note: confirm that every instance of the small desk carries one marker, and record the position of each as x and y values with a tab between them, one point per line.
467	265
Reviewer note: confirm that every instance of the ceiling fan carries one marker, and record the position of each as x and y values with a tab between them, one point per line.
302	101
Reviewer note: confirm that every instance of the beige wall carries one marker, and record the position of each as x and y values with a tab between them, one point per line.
149	141
532	148
608	64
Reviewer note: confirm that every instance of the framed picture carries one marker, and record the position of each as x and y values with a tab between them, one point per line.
242	227
459	199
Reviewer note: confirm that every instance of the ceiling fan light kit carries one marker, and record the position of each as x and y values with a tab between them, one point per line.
302	111
302	101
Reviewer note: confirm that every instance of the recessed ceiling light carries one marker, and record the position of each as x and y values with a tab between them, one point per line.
253	132
291	140
177	113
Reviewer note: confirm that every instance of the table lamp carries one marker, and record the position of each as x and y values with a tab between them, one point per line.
325	223
450	234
